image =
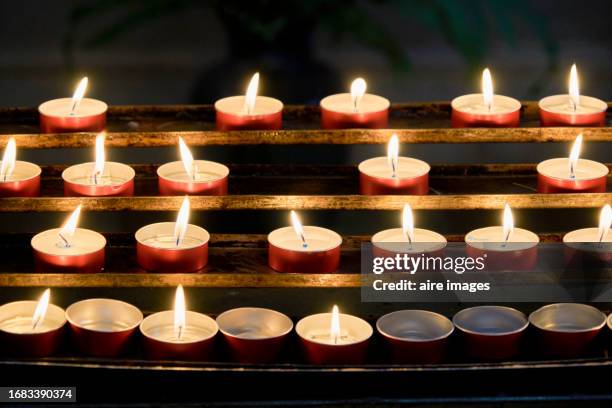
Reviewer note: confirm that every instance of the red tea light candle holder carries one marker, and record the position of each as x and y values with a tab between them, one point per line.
485	109
504	247
76	114
491	333
254	335
393	175
590	246
102	327
416	336
99	178
69	249
178	334
249	111
572	174
303	249
18	178
356	109
566	330
30	328
572	109
173	247
194	177
334	338
408	239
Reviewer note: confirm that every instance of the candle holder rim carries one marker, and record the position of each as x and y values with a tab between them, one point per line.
103	107
226	172
278	108
516	104
203	231
385	101
327	316
337	242
576	244
533	317
61	312
93	251
601	104
35	166
443	318
512	310
443	242
592	162
105	300
209	320
131	173
424	164
260	309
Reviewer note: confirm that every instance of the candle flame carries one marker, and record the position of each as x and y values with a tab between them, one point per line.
508	223
78	94
100	158
358	88
41	309
297	227
487	88
7	167
408	223
179	312
393	154
182	221
70	226
190	167
574	91
334	330
251	94
605	221
574	155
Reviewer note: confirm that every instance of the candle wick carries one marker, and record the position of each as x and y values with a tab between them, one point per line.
572	171
303	238
66	243
180	332
36	323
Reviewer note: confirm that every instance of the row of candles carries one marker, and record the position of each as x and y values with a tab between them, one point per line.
393	174
356	109
104	327
180	247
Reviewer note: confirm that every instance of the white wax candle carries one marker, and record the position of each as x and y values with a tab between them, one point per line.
407	168
395	240
83	242
587	239
206	171
254	323
234	105
114	174
161	235
160	326
584	170
317	328
62	107
23	171
562	104
16	318
492	239
343	103
317	239
474	104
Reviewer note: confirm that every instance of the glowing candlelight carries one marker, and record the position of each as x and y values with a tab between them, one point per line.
41	310
7	167
408	223
78	95
605	221
98	170
574	155
69	228
334	330
358	89
179	312
574	92
393	154
487	89
508	223
182	220
297	227
251	94
187	158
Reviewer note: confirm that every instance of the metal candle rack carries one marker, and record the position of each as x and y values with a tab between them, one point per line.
238	274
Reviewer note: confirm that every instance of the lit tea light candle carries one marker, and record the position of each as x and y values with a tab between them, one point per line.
18	178
407	239
249	111
173	247
572	174
485	109
103	327
303	249
189	176
99	178
178	334
356	109
69	249
254	334
76	114
334	338
504	247
30	328
587	245
572	109
393	174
